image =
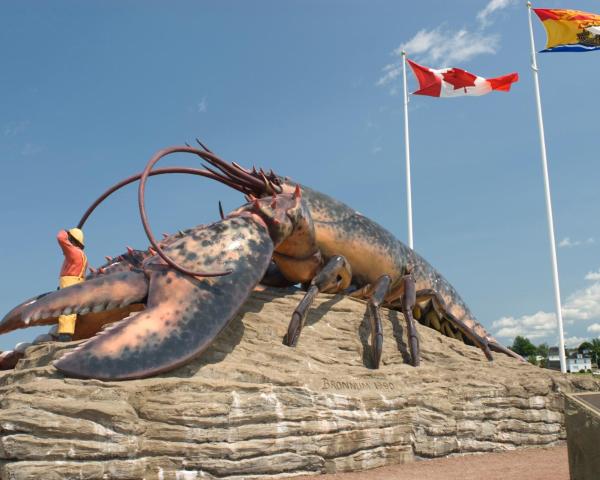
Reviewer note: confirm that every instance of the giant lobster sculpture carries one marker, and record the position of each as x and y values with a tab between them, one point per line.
176	297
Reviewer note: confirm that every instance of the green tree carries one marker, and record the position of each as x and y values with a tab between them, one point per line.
585	346
523	346
533	360
595	350
542	350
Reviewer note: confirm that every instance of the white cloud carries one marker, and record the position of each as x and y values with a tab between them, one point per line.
594	328
422	42
505	322
376	146
202	105
581	305
571	342
445	47
440	48
13	129
30	149
568	243
594	276
538	325
391	72
490	8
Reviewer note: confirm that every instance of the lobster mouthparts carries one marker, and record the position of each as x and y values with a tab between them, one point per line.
183	314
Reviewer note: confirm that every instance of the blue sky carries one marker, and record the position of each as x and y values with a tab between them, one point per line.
89	91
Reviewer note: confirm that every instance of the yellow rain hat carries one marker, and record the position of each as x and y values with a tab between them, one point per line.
77	234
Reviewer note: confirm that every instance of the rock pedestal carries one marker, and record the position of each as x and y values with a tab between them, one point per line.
251	407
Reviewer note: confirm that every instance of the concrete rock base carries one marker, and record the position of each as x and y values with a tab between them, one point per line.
251	407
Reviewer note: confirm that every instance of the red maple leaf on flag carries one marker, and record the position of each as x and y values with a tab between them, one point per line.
459	78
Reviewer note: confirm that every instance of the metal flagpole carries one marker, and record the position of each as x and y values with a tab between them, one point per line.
407	155
536	83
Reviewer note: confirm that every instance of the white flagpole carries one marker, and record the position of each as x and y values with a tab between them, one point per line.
407	155
557	305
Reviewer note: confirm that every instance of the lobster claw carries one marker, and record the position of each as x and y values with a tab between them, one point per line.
183	314
13	320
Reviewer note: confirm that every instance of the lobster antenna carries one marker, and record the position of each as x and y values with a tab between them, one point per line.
221	211
159	171
202	145
146	224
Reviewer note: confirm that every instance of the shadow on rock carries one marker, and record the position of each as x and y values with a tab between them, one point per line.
399	336
316	314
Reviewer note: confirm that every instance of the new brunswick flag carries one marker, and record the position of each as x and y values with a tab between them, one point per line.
570	30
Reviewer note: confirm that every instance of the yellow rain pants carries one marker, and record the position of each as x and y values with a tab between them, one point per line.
66	323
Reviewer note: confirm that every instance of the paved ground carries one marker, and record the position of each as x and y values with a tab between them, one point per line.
527	464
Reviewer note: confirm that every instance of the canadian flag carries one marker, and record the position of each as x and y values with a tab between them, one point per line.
455	82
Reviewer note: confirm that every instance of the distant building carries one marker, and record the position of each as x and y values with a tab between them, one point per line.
553	359
579	362
576	362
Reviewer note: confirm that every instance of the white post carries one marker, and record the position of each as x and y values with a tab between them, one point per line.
557	306
407	155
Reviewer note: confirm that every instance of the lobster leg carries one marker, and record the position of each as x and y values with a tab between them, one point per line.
409	299
334	277
378	292
375	294
439	305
